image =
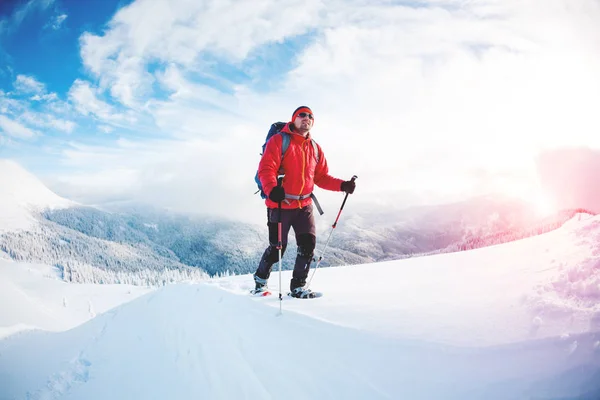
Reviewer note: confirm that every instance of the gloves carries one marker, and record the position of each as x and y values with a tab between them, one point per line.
348	186
277	194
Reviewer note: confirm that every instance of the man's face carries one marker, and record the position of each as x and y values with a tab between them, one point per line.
304	122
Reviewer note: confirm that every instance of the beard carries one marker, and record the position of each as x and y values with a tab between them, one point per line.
304	127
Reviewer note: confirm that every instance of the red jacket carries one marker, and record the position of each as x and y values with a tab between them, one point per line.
300	166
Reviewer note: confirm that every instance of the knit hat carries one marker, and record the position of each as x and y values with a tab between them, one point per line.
301	109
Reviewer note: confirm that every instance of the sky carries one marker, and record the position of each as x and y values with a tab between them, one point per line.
168	102
526	326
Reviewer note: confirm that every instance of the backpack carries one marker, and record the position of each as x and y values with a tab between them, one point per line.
275	129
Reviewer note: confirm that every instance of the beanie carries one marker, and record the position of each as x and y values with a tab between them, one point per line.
302	109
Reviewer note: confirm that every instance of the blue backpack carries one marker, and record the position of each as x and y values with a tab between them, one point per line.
275	129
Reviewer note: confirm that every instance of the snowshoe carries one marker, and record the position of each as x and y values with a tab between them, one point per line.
301	293
260	292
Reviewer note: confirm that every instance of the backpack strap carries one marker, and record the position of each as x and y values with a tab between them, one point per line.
285	143
316	148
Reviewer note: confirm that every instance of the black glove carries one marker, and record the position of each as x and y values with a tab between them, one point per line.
277	194
348	186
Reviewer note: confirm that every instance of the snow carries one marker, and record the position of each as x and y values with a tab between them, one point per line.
33	297
513	321
21	195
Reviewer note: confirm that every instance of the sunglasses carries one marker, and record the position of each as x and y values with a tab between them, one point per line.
303	114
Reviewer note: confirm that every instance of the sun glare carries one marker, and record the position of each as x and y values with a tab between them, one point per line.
543	205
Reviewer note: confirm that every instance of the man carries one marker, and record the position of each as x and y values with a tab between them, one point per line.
304	166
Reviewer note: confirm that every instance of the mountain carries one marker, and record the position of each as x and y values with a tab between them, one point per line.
390	233
215	245
513	321
26	234
91	244
21	196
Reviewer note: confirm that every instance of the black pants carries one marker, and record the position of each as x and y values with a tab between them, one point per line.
302	220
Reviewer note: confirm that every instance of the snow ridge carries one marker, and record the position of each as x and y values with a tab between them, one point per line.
22	196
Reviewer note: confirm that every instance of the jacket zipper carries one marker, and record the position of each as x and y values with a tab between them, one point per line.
303	168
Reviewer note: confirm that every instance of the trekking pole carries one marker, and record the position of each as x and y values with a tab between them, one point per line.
354	177
279	240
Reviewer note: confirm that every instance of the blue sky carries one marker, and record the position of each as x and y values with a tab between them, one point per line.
169	101
40	48
43	42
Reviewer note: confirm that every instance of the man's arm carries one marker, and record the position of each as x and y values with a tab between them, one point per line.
322	177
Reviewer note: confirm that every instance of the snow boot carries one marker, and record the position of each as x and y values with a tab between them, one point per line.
260	288
302	293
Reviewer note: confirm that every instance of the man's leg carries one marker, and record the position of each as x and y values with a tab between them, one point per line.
304	227
271	253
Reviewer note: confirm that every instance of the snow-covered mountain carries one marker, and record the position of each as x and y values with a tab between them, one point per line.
26	234
93	245
22	197
513	321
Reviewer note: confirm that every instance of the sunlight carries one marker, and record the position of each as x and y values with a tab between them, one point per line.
543	205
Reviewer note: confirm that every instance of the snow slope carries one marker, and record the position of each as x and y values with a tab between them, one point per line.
527	289
33	297
21	194
513	321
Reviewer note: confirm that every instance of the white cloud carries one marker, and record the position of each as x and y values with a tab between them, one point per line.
57	21
28	84
15	129
46	120
177	32
44	97
86	101
62	125
29	105
448	98
12	22
9	105
106	129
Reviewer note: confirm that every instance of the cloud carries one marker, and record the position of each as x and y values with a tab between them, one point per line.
47	120
44	97
12	22
62	125
56	22
178	174
28	84
85	99
438	99
9	105
15	129
29	105
180	32
106	129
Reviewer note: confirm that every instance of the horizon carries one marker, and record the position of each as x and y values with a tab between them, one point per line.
169	102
